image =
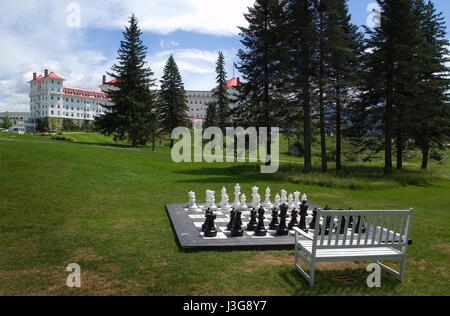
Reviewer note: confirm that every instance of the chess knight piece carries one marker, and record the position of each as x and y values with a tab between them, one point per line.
267	204
282	228
294	220
210	229
261	230
232	217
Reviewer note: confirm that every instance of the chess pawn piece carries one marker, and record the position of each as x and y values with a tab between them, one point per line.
253	221
284	198
303	214
294	221
232	217
274	224
277	201
243	206
282	228
297	200
192	206
237	195
261	230
267	203
210	230
237	230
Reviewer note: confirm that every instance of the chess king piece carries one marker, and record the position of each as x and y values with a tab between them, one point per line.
297	200
256	202
261	230
237	230
303	214
232	217
192	206
294	221
282	228
210	229
243	206
284	197
277	201
237	195
253	221
267	203
274	224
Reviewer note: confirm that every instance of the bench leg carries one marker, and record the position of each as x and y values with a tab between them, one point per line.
309	277
398	275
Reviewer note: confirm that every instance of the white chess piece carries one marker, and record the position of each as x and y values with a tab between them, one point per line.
192	206
255	196
297	199
237	193
277	201
305	197
291	201
211	200
283	197
267	203
224	194
243	206
226	206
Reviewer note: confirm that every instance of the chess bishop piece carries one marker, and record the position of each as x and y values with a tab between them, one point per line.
237	230
261	230
282	228
267	204
253	221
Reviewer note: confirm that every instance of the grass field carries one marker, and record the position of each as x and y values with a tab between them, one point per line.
101	205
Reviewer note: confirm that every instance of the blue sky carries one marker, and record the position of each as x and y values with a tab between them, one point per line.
39	34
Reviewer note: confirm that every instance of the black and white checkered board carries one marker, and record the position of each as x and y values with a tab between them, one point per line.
188	228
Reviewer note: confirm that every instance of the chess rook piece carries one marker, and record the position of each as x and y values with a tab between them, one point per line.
210	230
237	230
282	228
303	214
232	217
253	221
294	221
261	230
274	223
267	203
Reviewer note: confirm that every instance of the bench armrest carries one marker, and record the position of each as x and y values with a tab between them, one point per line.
301	232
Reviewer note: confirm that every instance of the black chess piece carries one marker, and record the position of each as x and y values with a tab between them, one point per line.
360	222
253	221
342	228
210	230
303	214
294	221
282	228
312	225
232	216
237	230
274	224
261	230
208	212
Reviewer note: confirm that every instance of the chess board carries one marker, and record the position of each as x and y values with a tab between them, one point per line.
188	229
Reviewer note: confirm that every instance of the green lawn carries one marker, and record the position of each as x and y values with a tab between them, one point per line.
101	205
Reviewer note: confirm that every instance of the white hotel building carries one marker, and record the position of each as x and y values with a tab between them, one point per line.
50	98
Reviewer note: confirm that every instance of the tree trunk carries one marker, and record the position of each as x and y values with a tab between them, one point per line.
400	152
307	129
425	155
323	140
388	128
338	133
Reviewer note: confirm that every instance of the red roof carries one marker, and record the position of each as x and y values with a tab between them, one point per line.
54	76
113	81
234	82
83	93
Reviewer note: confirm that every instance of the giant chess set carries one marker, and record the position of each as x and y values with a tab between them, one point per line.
257	224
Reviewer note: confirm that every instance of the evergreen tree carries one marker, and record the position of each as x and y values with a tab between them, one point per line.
430	116
260	63
6	124
172	98
131	115
302	46
222	105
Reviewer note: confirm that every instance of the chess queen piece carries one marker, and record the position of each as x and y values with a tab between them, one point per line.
261	230
210	229
253	221
282	228
192	206
294	219
277	201
256	202
243	206
267	204
237	195
297	200
237	230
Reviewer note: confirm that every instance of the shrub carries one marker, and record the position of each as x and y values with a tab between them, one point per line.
435	155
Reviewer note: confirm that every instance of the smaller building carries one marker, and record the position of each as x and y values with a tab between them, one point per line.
22	122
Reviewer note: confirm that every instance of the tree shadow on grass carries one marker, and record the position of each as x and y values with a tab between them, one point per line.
114	145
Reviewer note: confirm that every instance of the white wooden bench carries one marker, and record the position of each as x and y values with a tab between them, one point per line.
385	237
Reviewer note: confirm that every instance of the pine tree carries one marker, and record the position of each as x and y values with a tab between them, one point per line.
260	63
430	116
172	98
222	104
302	45
131	115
